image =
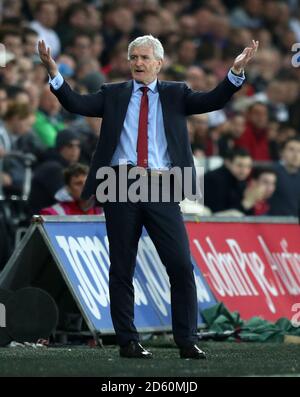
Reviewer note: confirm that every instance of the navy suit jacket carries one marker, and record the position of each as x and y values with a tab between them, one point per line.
111	103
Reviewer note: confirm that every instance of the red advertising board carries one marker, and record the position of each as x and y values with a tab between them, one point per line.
253	268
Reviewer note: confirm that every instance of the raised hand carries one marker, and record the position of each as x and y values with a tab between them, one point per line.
241	60
46	58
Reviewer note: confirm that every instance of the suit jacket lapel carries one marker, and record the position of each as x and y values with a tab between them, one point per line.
122	105
165	105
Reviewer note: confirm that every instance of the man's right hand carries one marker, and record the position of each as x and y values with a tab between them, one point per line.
252	194
46	58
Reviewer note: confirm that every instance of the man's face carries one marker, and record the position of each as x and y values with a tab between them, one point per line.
75	186
268	182
21	126
143	65
291	154
83	47
238	126
30	44
48	15
71	151
200	122
195	77
258	116
49	103
13	44
240	167
187	52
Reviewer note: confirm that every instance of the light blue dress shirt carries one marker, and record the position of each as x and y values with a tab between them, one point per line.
158	157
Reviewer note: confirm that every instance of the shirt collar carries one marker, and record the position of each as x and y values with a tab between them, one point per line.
152	86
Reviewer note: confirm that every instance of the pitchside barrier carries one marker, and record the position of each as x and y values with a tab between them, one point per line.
251	264
72	251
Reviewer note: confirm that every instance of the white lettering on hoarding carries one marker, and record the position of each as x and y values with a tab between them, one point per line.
93	249
157	282
236	273
84	285
139	296
220	276
285	266
89	259
202	291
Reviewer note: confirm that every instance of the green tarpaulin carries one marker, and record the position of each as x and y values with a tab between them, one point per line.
221	322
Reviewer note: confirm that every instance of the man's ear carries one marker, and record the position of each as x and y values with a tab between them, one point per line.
159	66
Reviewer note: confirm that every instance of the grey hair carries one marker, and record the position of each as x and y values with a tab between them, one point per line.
148	41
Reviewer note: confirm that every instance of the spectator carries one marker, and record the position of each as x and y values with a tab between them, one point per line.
187	25
68	197
12	40
233	131
17	124
255	137
249	15
88	129
67	66
30	39
16	94
265	68
199	46
260	190
80	47
48	121
46	14
201	137
275	97
39	76
18	120
187	52
224	187
150	23
48	177
76	18
286	199
196	78
10	74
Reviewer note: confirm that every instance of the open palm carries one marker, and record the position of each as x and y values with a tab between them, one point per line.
46	58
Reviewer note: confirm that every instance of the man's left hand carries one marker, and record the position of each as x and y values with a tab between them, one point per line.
241	60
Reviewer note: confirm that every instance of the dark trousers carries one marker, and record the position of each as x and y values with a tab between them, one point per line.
165	226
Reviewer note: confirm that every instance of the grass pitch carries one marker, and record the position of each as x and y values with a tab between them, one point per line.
224	359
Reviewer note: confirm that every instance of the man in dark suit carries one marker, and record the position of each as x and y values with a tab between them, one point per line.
144	122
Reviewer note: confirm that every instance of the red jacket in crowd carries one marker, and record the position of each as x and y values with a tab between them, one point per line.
256	141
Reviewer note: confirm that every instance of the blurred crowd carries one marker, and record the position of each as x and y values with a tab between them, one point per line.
250	149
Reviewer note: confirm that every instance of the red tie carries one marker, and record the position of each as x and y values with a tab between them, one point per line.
142	141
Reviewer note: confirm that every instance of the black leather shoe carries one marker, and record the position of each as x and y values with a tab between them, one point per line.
192	352
134	350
